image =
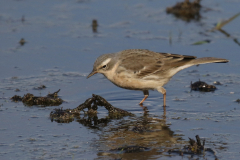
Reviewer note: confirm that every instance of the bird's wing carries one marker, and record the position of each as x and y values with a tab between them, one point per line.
142	63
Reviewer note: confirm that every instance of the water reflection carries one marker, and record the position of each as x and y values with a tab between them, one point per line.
128	136
93	122
145	109
228	35
121	134
144	136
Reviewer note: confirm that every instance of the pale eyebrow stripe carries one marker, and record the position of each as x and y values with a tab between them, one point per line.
106	62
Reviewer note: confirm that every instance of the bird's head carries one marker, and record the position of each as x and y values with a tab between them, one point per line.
103	64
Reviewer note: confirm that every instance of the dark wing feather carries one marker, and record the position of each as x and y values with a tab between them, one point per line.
144	62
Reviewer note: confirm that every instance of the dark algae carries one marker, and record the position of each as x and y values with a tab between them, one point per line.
202	86
186	10
195	147
29	99
91	104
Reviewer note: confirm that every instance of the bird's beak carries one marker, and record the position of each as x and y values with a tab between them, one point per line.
92	73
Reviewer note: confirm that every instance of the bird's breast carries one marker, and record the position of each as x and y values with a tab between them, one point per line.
131	82
128	80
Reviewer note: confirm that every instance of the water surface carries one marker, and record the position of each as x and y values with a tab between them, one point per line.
60	50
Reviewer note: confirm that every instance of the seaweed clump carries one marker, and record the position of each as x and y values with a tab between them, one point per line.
186	10
92	105
16	98
29	99
238	100
194	148
202	86
62	116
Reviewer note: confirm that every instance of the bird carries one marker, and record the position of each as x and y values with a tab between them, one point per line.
144	70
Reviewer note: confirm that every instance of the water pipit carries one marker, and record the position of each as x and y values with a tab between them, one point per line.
140	69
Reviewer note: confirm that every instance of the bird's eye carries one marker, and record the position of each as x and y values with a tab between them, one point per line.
104	66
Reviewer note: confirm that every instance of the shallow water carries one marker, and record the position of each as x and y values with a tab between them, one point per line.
59	52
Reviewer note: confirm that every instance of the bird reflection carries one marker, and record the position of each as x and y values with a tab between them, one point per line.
135	135
145	111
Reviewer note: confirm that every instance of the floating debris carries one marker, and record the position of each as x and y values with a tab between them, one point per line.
202	86
238	100
94	25
92	105
186	10
217	83
220	24
17	90
29	99
61	116
16	98
202	42
22	42
194	148
223	23
40	87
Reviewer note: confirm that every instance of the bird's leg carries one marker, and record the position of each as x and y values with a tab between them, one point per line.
146	94
164	100
163	91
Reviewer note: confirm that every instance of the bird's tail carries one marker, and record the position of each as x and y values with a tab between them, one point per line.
196	62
